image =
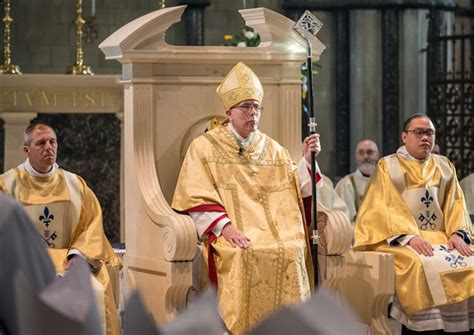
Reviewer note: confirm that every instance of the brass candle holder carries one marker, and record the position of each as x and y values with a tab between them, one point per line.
7	67
79	67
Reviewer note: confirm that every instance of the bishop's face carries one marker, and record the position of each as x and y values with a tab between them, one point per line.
245	116
42	150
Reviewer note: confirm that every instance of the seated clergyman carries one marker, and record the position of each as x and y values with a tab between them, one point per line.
65	211
242	190
414	208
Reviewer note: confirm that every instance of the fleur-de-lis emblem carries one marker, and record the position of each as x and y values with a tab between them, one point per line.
46	217
427	199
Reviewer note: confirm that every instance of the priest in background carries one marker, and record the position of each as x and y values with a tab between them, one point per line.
65	211
414	208
352	187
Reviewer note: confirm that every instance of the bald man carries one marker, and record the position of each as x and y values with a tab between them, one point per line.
351	188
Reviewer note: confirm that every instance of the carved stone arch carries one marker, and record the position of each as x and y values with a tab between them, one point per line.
200	127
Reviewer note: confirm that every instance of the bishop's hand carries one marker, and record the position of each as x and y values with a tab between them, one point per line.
235	237
311	144
421	246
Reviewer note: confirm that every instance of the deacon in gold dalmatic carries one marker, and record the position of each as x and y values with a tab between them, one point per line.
69	219
407	196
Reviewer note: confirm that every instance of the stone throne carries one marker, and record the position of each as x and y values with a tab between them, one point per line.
170	98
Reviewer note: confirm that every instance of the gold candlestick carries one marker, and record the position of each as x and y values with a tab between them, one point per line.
79	67
7	67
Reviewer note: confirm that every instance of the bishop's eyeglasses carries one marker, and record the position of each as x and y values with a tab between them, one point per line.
247	108
420	132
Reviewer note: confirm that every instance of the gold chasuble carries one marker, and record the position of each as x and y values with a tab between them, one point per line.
69	219
258	190
411	197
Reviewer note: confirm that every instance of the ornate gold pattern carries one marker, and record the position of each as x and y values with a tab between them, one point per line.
7	67
240	84
79	67
272	272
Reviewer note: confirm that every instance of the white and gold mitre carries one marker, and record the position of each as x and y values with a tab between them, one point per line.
240	84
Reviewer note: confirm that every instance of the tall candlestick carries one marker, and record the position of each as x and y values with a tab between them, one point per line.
79	67
7	67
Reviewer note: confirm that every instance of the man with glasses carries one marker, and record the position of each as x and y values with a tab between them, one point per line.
243	192
351	188
414	208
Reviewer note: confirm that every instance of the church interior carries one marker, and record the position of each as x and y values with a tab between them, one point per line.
128	86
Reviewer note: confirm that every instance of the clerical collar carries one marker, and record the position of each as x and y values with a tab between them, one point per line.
359	173
244	142
31	170
403	152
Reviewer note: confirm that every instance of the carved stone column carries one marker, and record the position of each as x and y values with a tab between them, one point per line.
390	81
120	116
437	27
15	124
343	133
413	62
194	21
365	78
2	145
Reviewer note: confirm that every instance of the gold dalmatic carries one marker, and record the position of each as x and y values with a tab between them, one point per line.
410	197
68	216
258	189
